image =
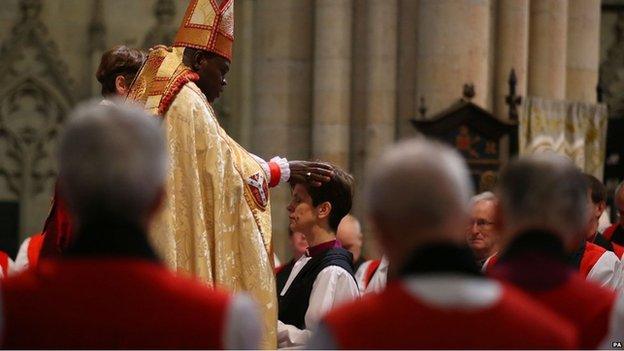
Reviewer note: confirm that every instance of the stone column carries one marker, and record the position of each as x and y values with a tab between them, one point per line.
583	52
282	93
453	49
547	48
332	81
96	47
381	72
240	81
512	50
407	106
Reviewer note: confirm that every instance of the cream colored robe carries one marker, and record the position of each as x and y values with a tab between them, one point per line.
212	226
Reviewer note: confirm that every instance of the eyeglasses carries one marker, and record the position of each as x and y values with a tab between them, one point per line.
480	223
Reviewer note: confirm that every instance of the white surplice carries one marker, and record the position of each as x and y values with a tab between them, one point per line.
332	287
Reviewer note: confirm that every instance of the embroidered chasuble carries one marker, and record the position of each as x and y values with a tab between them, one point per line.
216	223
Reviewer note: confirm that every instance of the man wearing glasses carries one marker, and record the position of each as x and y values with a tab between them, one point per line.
481	234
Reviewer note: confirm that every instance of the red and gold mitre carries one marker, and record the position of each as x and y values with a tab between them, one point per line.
208	25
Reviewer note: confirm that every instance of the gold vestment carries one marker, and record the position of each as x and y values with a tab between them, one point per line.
216	223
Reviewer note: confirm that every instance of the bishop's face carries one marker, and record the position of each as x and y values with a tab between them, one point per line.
301	212
212	70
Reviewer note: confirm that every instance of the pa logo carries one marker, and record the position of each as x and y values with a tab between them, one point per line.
616	344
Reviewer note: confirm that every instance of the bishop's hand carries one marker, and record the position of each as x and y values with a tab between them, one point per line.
314	173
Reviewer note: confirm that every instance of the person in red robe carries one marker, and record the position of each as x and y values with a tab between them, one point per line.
116	71
595	258
542	214
109	289
6	265
615	233
598	203
417	198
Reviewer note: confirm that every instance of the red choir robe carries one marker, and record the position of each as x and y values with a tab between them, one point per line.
536	264
442	302
57	229
5	264
614	234
600	265
110	304
28	254
398	319
595	263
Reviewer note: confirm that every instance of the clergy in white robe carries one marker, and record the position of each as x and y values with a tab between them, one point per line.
323	278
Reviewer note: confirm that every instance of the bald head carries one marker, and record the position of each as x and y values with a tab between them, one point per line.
418	193
545	192
349	234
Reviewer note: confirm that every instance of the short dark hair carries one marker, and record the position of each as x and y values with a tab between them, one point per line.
189	55
338	192
598	190
118	61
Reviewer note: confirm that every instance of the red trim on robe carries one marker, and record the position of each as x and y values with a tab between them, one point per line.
591	255
34	249
618	250
370	272
57	229
490	263
4	264
608	233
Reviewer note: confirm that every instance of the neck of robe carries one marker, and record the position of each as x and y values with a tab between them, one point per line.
440	258
111	237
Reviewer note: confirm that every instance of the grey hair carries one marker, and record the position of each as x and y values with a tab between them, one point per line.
112	160
484	196
544	192
419	183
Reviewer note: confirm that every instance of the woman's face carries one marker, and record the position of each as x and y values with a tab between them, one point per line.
302	213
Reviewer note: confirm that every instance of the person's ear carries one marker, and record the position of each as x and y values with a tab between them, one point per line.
198	57
324	209
121	86
601	207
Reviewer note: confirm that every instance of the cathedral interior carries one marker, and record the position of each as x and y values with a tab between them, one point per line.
334	80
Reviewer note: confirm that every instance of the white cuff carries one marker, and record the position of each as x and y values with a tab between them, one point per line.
264	165
289	336
284	168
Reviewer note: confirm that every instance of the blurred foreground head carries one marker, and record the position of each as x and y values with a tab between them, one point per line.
112	164
418	194
543	192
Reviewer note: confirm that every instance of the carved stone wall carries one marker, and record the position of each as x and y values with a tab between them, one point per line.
273	103
35	96
50	50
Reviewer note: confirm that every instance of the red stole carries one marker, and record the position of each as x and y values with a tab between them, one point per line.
608	233
370	271
4	264
586	305
57	228
394	319
591	255
110	304
34	249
